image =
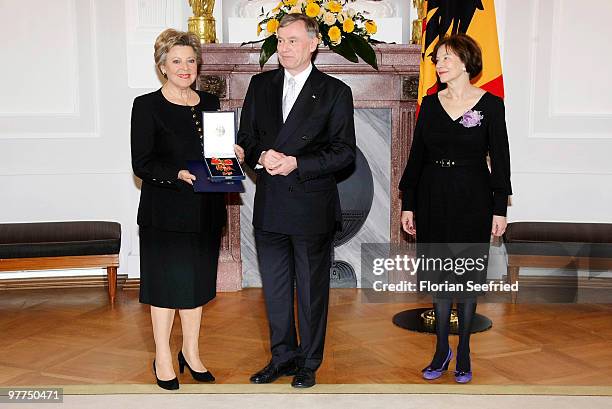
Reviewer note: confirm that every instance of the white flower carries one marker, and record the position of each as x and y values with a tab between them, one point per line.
329	18
295	10
351	12
341	17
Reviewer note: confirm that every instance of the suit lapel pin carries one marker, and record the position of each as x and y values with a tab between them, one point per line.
314	96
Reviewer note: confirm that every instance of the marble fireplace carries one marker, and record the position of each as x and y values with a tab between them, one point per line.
385	102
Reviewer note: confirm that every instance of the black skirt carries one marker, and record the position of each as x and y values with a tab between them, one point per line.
178	269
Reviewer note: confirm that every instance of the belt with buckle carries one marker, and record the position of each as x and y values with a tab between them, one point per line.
448	163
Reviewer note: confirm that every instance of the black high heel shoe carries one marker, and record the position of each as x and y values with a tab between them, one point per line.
171	385
198	376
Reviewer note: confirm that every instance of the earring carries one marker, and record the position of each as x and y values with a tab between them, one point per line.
464	69
165	76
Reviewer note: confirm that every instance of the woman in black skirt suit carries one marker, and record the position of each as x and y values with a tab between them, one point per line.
449	194
180	231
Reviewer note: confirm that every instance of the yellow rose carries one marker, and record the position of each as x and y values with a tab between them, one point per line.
334	6
335	35
272	26
329	18
258	30
348	25
290	2
312	9
370	27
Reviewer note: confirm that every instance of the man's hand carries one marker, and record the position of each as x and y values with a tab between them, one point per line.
284	166
269	159
239	153
186	177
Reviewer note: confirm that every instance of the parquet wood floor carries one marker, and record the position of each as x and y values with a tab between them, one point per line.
72	336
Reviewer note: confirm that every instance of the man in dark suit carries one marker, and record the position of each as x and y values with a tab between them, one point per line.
297	130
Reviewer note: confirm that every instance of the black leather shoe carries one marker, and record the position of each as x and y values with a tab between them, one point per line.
304	378
272	372
198	376
171	385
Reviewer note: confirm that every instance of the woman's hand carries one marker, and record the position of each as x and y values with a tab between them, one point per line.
239	153
499	226
186	177
408	222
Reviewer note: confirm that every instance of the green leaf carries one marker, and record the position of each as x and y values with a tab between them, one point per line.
268	48
345	50
252	42
375	41
363	49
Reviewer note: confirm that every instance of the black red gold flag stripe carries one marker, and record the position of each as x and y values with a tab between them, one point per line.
475	18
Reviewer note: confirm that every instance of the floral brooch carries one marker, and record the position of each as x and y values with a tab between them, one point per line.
471	119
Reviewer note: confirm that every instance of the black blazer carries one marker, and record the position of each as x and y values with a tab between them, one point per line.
319	132
163	137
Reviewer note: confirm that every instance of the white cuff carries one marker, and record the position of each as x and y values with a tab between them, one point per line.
258	166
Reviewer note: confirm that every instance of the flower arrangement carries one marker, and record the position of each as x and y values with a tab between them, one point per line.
471	118
342	29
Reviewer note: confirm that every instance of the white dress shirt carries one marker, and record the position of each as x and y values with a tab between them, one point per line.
290	95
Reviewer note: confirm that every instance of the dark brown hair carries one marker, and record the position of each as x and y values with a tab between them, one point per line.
466	48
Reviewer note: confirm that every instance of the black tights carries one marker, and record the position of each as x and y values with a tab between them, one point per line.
465	311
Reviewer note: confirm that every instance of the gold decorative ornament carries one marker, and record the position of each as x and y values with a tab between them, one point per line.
202	23
417	24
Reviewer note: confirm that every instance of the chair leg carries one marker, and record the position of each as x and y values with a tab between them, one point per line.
513	276
111	273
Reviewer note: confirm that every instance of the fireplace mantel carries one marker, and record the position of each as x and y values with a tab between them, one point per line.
226	71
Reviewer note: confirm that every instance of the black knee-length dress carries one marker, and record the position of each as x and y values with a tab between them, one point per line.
447	183
180	230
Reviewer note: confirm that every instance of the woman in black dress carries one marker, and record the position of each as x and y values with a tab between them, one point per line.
449	195
180	231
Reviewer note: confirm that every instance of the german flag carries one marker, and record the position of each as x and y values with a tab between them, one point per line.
475	18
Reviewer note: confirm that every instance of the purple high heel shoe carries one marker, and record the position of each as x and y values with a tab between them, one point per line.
463	377
431	374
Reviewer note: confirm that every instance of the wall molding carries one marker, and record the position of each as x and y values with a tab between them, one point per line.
141	29
544	57
556	50
83	121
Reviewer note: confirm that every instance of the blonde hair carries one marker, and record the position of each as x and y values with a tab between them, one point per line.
170	38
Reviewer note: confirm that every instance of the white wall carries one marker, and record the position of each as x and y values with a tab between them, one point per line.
559	110
68	86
